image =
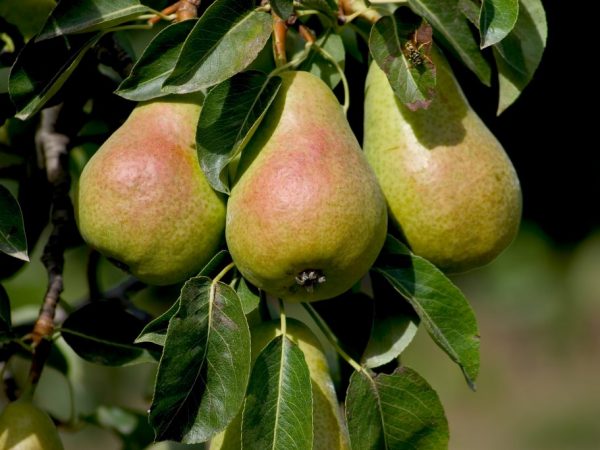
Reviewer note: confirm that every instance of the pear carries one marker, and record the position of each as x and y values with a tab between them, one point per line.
449	185
143	200
306	217
23	426
330	431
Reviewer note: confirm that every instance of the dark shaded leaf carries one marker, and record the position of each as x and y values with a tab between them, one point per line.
447	19
43	67
395	325
204	369
231	113
442	307
396	412
329	7
283	8
497	19
278	407
224	41
156	63
5	320
413	83
13	241
103	332
70	17
519	54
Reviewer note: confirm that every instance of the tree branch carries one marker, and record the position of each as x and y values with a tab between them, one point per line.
52	151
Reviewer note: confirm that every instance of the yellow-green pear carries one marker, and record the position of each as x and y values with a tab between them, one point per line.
449	185
143	200
306	217
24	426
330	431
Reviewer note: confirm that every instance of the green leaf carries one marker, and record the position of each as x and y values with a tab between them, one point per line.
248	295
155	332
103	332
413	84
5	320
397	412
497	19
204	369
230	114
283	8
395	325
43	67
328	7
70	17
225	40
447	19
440	304
471	10
13	241
322	67
156	63
519	54
278	407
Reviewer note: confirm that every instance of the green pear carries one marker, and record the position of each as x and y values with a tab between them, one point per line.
143	200
330	431
306	217
450	186
23	426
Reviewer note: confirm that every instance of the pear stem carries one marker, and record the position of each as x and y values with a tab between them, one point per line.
282	318
223	272
332	338
279	34
332	60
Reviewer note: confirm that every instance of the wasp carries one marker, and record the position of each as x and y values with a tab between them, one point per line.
416	51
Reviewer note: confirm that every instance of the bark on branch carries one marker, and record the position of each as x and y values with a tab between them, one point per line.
52	152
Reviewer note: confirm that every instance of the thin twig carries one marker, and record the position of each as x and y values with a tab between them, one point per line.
52	147
279	34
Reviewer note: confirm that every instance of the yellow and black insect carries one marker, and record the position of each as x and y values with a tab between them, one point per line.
416	52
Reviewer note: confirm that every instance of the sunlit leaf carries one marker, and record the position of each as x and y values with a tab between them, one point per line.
204	369
70	17
224	41
278	407
395	412
442	307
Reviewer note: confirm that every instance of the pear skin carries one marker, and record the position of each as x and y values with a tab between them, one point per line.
306	217
330	431
450	187
24	426
143	200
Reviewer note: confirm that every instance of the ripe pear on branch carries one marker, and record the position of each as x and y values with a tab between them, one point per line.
143	199
450	187
306	217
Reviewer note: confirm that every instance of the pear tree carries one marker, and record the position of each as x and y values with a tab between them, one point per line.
214	178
